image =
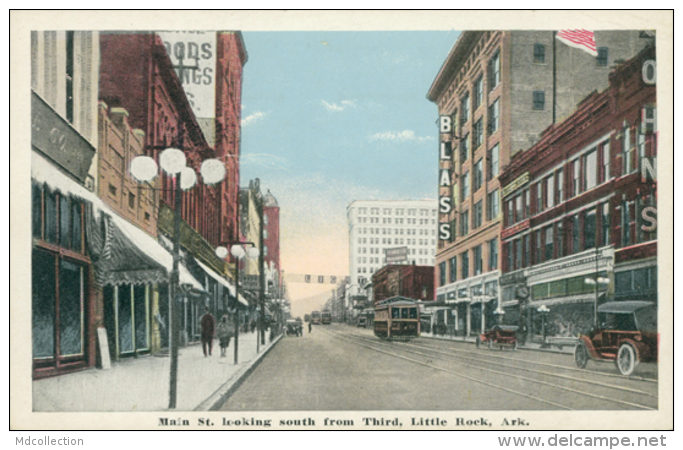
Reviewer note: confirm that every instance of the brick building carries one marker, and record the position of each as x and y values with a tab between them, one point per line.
496	93
580	206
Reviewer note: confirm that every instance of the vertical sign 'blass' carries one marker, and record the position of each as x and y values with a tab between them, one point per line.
445	178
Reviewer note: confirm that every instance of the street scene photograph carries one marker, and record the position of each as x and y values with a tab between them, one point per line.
427	224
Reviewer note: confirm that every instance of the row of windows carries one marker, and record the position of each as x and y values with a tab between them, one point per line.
397	221
592	168
57	219
579	232
601	59
477	218
377	250
449	270
397	231
375	211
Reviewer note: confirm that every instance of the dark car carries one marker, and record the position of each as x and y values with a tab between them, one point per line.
500	336
626	334
294	328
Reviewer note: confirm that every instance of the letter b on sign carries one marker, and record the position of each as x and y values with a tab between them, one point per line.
445	124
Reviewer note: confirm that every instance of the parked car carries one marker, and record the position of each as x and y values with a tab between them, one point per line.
626	334
499	335
362	321
294	328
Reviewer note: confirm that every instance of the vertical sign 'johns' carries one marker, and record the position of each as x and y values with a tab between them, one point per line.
445	179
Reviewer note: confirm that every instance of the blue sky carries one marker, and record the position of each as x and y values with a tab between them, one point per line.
333	117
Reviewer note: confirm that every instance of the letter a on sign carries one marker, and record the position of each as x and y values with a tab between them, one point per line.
445	178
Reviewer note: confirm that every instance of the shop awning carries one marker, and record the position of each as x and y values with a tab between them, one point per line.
212	273
120	251
482	299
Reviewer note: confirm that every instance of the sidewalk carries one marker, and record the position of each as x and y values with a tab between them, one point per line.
142	384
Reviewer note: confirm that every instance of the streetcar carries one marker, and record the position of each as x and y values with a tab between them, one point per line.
326	318
397	318
315	317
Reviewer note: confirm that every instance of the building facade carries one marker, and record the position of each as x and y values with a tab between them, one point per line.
271	246
579	209
496	93
64	87
376	226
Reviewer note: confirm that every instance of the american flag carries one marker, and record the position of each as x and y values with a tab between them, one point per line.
582	39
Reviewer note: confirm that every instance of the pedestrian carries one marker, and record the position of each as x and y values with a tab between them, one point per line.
208	324
252	325
224	333
310	326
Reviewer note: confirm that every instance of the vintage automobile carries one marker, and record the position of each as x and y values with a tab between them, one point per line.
294	328
499	336
626	334
362	321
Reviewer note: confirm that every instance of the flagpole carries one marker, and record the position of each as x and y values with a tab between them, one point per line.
554	74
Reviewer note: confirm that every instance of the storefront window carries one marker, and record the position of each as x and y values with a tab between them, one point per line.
43	304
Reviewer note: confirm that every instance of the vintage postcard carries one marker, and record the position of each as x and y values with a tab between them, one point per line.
343	220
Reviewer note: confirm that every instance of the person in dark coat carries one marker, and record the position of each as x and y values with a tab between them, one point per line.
208	327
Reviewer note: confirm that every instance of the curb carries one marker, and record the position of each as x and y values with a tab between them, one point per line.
221	395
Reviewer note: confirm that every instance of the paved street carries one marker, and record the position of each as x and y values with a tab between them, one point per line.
338	367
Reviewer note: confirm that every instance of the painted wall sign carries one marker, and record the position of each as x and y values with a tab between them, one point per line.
193	53
56	138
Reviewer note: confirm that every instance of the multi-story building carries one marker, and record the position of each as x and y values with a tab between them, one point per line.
410	281
496	93
579	208
154	92
376	226
64	84
271	245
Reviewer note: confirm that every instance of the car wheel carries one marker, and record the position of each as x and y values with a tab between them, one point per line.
478	342
626	359
581	355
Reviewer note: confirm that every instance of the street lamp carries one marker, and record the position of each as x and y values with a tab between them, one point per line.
543	311
173	162
238	252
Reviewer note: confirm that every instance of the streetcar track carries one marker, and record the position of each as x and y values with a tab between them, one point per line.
555	386
556	375
341	337
556	366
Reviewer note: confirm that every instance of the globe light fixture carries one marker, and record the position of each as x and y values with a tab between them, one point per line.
172	160
212	171
144	169
237	251
221	252
188	178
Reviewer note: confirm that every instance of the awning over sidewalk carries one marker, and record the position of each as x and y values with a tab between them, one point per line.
210	272
120	251
579	298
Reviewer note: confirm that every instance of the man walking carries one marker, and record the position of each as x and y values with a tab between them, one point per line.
208	325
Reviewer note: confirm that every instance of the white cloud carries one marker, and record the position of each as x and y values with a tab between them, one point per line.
400	136
337	107
257	116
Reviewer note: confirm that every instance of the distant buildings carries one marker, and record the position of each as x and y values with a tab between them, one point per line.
376	226
499	90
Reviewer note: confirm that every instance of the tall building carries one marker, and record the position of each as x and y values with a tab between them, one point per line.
64	85
496	93
581	206
376	226
271	245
